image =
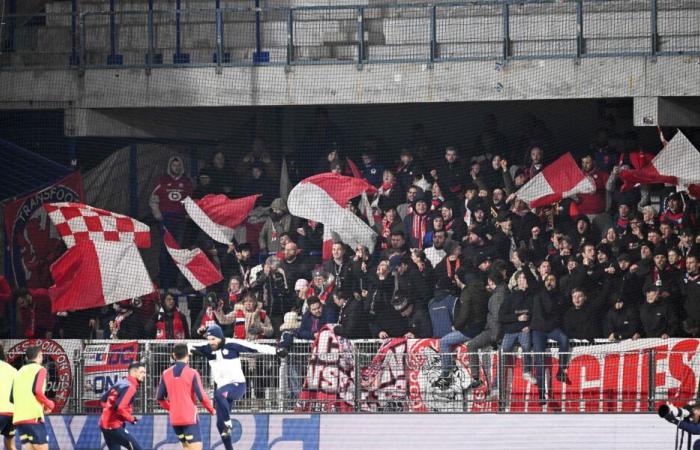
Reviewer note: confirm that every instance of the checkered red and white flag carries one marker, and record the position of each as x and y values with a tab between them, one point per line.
77	222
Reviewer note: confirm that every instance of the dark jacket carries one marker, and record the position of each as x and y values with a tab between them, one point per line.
691	298
658	318
585	322
622	323
548	310
471	309
307	331
352	321
342	273
378	304
516	303
166	317
419	324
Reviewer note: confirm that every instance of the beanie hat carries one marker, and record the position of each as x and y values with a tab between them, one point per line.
214	330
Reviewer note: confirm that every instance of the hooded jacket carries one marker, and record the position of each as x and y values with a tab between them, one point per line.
170	191
274	227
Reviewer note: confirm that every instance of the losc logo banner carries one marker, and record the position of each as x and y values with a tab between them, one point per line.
254	432
58	365
33	241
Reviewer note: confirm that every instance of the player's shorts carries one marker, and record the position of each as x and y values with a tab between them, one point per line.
32	433
188	433
6	427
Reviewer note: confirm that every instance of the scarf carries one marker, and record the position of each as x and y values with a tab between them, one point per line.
119	319
418	228
178	326
386	186
451	272
208	318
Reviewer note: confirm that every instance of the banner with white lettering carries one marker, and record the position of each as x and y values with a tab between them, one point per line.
59	363
104	365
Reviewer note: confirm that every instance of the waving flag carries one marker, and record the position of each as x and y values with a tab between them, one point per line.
77	222
324	198
193	264
678	163
218	215
93	274
561	179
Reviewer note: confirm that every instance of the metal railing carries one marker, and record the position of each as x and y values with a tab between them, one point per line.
219	36
366	380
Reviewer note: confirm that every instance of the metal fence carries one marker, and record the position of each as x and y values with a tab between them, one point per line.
366	380
157	34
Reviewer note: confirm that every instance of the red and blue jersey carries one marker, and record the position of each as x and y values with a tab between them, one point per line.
116	404
180	388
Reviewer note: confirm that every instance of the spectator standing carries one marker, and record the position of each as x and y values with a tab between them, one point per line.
415	322
168	322
315	318
515	316
548	309
277	223
657	315
166	206
593	204
352	318
450	172
584	320
470	315
622	321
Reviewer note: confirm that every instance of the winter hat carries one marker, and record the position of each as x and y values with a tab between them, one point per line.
301	284
394	262
291	321
214	330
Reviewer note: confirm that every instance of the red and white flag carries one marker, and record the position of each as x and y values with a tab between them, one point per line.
92	274
324	198
193	264
561	179
678	163
218	215
77	222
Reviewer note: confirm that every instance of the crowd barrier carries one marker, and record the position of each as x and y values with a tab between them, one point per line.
397	375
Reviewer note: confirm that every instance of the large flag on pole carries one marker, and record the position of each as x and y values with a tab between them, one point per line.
77	222
193	264
217	215
561	179
92	274
324	198
678	163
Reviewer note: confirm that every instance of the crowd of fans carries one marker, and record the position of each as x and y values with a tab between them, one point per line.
458	256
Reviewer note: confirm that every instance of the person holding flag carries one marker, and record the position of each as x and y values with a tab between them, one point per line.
116	409
7	377
180	388
30	401
224	359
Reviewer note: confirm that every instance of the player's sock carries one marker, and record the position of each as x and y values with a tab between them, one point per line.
227	442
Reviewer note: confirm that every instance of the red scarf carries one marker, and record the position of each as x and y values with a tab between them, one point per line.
386	187
208	318
233	298
450	272
178	326
419	228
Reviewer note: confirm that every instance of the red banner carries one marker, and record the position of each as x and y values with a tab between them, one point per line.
32	239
